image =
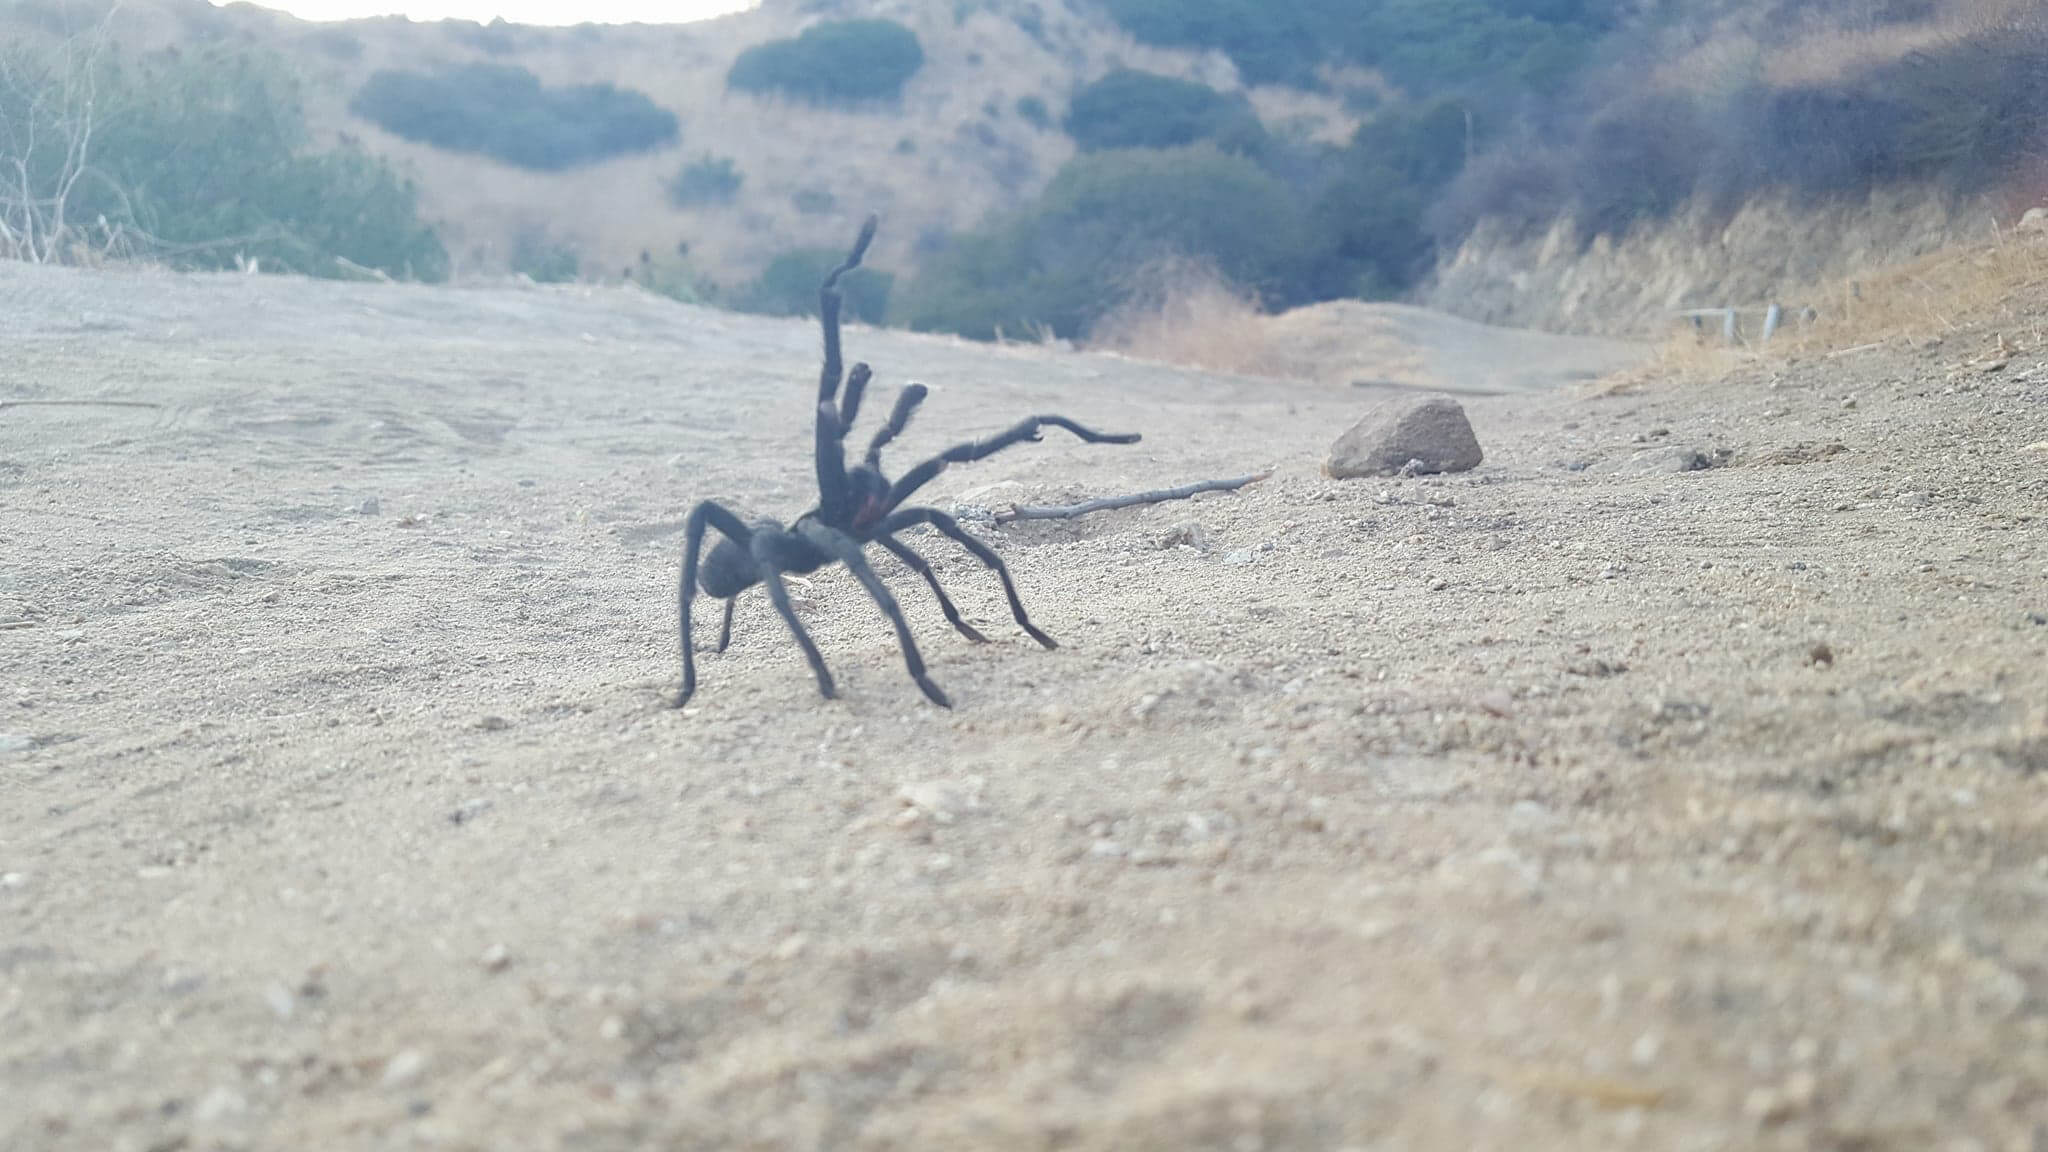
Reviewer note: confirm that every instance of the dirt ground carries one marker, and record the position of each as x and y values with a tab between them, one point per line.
1564	804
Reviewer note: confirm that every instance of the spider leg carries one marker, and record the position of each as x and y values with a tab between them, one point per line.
899	418
833	502
712	515
847	551
1025	429
916	563
778	594
828	309
849	405
725	629
982	552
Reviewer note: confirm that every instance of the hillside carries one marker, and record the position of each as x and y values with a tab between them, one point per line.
1586	165
952	150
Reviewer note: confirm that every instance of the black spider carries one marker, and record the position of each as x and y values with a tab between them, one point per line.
856	506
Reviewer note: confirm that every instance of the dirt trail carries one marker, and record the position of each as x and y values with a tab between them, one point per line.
1381	345
1557	805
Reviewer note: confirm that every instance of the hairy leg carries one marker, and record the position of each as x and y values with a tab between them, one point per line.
834	503
981	551
828	309
705	515
847	550
1024	430
899	418
778	594
725	629
916	563
857	379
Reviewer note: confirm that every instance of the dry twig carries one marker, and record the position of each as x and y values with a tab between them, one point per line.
1070	511
78	404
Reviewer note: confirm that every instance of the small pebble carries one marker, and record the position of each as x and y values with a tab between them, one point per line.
496	958
280	1000
1644	1052
404	1068
1820	655
219	1103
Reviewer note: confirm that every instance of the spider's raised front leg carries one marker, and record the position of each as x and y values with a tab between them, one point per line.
899	419
706	515
917	564
1024	430
846	550
982	552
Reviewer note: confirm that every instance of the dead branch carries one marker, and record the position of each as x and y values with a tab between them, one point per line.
78	404
1070	511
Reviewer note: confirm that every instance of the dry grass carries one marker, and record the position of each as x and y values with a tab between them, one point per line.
1819	51
1685	356
1990	283
1994	285
1184	312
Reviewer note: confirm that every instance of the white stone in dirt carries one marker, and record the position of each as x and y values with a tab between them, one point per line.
280	1000
1665	461
2035	220
1417	436
404	1068
943	801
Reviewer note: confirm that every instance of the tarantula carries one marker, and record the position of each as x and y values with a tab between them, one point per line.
856	506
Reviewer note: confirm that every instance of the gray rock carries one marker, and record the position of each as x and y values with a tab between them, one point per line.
1432	435
1665	461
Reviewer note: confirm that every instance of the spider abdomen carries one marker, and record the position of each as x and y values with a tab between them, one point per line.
727	571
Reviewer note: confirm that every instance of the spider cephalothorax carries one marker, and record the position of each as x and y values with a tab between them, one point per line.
857	506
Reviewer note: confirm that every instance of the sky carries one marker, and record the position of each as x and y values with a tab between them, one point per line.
517	11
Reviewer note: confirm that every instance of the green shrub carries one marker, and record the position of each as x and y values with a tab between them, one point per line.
194	160
503	112
706	180
1132	109
1064	264
1370	206
839	62
789	287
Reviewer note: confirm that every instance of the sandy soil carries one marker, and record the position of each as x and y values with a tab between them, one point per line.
1565	804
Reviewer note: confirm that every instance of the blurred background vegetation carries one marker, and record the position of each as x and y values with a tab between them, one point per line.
196	160
1151	130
